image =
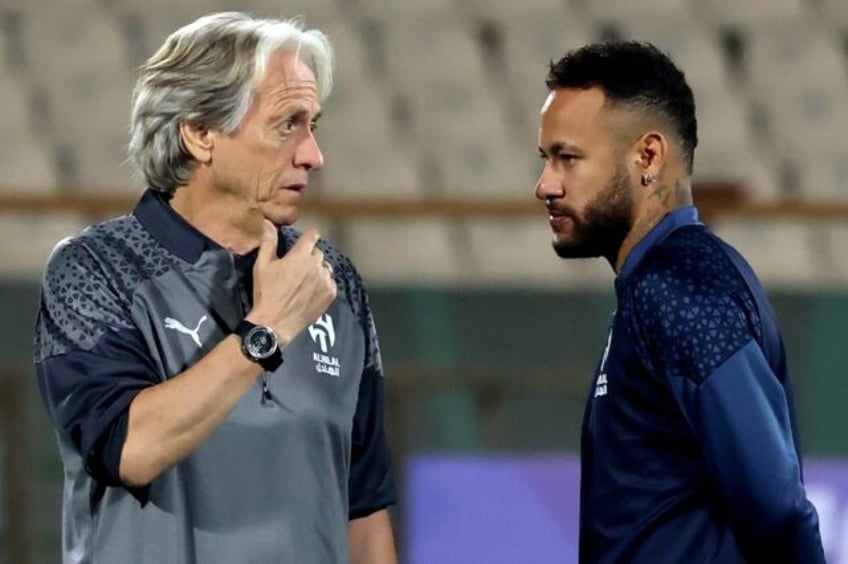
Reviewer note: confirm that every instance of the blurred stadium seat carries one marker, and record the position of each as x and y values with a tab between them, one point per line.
797	74
835	13
396	252
824	176
81	64
41	233
756	13
24	162
779	253
670	12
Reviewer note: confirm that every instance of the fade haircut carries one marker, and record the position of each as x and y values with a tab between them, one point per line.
205	74
637	76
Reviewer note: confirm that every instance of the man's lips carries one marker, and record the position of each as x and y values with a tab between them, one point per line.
296	187
558	222
558	218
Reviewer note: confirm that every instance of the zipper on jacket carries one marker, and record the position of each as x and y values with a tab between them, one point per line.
266	391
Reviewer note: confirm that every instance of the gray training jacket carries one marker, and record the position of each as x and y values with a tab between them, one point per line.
129	303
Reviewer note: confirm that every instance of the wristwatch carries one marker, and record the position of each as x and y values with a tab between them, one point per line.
259	344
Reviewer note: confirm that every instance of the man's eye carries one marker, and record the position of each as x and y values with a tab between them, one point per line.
288	126
313	126
567	157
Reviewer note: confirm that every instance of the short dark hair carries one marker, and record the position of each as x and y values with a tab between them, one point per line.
634	74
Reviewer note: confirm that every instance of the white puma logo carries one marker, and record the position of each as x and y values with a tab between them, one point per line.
171	323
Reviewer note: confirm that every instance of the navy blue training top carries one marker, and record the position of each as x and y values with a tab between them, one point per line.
689	449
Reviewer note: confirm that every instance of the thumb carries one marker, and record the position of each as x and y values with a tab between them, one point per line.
268	244
306	243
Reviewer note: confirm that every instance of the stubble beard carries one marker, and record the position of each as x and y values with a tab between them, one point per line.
604	224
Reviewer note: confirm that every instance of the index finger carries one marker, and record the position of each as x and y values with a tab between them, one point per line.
306	243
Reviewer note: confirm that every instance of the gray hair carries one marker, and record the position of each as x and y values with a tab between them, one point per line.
205	74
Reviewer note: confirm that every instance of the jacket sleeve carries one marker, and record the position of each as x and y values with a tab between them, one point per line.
90	361
741	417
371	482
703	340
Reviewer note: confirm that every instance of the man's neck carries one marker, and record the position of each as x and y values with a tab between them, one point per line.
227	220
663	197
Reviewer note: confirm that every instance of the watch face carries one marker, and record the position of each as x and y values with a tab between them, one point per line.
260	342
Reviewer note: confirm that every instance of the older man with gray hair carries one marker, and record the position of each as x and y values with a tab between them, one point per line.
214	376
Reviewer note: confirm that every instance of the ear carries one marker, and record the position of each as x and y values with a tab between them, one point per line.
198	140
651	153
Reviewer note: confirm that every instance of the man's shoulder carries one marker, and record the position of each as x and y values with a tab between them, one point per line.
124	229
86	287
691	248
79	248
691	259
118	248
691	304
691	279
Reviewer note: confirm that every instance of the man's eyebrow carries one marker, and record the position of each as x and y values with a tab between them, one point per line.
296	112
558	147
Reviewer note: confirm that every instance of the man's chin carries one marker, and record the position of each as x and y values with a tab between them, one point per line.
281	215
575	251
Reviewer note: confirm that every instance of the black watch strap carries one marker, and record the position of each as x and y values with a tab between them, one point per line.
243	328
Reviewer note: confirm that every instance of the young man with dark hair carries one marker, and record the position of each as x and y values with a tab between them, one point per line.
689	446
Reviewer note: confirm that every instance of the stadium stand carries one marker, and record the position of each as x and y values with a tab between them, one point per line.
441	98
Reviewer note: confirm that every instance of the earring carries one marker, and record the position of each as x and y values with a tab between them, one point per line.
647	179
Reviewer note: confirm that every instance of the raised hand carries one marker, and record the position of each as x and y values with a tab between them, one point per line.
291	292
